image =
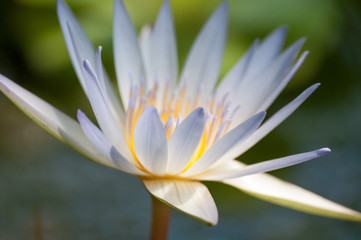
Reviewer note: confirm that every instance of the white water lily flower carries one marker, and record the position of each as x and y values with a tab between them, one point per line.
173	133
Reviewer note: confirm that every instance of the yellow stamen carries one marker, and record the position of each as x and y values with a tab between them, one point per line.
173	110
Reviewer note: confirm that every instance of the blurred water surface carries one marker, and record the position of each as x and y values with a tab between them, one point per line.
47	191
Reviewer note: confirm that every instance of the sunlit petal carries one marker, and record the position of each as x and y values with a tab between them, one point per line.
266	166
52	120
204	61
253	94
274	190
273	122
191	198
236	75
150	142
104	146
184	141
267	51
221	148
127	55
80	48
164	59
102	112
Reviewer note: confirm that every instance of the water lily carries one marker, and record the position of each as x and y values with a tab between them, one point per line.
175	132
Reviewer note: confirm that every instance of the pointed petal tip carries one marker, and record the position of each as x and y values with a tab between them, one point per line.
301	41
82	117
150	109
313	87
61	8
118	3
59	4
165	3
86	63
261	115
212	223
282	30
224	4
87	68
305	54
80	114
165	7
323	151
200	111
222	9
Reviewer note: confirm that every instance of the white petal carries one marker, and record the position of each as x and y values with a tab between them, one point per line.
269	188
277	90
150	142
191	198
77	42
127	55
204	61
103	86
266	166
273	122
234	77
145	41
185	140
267	51
164	58
100	106
253	94
100	72
80	48
104	146
220	149
52	120
221	168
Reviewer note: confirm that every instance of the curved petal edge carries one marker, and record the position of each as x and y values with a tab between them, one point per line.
191	198
58	124
274	190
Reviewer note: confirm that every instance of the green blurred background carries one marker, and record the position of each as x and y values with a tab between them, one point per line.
47	191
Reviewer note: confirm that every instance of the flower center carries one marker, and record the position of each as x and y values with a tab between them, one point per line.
173	109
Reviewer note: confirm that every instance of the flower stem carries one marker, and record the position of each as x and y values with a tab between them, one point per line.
160	220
